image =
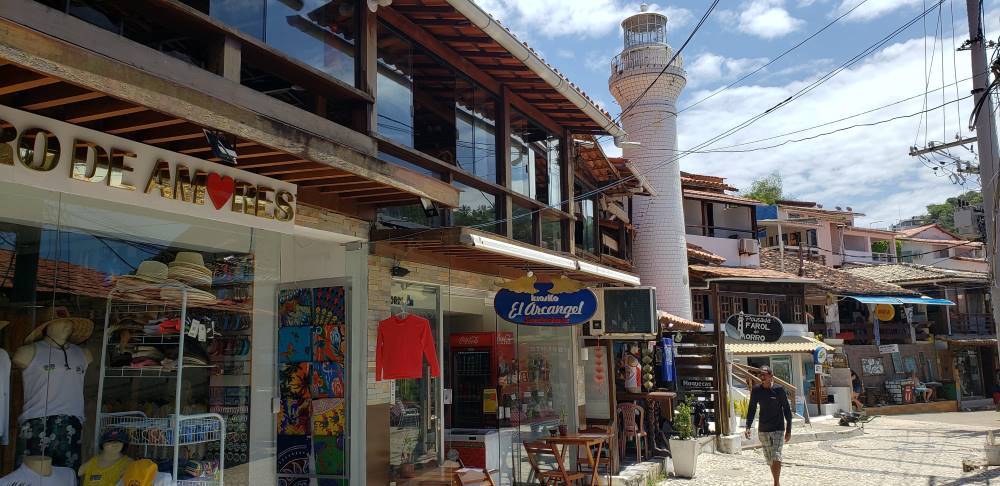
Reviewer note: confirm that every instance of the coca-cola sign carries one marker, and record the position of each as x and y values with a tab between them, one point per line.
561	302
754	328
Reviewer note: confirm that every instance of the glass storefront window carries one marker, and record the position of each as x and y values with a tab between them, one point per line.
552	233
536	161
522	225
584	226
414	413
244	15
475	208
320	33
425	104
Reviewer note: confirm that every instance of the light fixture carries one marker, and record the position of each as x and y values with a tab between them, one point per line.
628	143
398	271
430	208
584	143
223	146
516	251
605	272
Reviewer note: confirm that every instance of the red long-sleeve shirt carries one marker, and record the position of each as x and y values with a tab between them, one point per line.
402	346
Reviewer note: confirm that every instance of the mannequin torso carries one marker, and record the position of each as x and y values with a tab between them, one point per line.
106	468
42	465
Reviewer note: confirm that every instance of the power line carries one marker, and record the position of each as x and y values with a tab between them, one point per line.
776	59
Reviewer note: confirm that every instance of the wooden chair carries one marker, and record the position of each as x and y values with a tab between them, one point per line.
633	429
609	453
553	477
474	477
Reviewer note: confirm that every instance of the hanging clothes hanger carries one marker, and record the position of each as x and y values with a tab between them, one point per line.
403	304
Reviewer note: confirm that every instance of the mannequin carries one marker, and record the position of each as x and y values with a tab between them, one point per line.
42	465
106	468
53	370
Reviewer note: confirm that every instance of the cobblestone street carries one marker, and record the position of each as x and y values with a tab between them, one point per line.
914	450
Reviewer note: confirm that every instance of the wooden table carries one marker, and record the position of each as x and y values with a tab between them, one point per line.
582	440
442	476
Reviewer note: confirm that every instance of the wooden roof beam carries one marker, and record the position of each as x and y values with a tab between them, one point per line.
138	122
440	49
99	109
320	175
14	79
52	96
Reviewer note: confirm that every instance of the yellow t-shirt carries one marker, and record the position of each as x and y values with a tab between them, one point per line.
92	474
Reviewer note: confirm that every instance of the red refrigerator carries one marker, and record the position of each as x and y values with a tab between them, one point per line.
480	362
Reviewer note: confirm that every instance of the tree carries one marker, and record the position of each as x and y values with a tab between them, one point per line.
766	189
944	213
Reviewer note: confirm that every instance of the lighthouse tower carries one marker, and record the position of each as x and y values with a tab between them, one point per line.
649	103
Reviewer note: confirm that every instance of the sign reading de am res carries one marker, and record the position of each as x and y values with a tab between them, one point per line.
52	155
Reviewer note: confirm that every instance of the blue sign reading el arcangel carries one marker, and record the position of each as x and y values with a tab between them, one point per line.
557	303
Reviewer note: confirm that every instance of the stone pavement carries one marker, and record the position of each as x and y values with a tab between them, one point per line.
893	451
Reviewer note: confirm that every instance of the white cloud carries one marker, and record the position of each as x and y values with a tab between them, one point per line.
872	9
867	168
767	19
566	53
580	18
709	68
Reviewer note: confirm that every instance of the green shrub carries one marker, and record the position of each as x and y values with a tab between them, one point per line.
683	423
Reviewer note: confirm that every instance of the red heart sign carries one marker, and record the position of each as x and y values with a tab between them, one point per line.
220	189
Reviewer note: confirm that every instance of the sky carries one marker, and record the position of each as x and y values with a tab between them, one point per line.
867	167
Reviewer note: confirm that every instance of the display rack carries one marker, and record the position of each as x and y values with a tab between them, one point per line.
150	432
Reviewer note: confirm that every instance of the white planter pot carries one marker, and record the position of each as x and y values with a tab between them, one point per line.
684	455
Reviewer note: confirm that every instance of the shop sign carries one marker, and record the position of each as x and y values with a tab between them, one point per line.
820	354
888	348
754	327
885	312
697	384
52	155
561	302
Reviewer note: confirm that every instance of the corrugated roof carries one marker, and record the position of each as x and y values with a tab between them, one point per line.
904	273
786	344
747	273
833	280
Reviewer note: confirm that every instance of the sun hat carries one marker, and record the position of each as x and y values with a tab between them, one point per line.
190	260
82	327
149	271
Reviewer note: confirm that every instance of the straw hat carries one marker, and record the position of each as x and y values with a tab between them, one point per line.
82	327
189	267
148	271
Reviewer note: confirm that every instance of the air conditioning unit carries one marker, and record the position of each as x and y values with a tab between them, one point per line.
749	246
630	310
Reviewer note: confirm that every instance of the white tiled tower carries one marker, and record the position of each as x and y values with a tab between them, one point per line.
660	246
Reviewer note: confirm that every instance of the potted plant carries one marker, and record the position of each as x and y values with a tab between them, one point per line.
406	457
684	449
563	430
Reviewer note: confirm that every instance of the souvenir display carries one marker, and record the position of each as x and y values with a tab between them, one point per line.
312	384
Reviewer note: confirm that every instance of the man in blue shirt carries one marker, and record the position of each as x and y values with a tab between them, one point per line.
775	425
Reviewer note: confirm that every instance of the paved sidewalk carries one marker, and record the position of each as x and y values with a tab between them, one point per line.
893	451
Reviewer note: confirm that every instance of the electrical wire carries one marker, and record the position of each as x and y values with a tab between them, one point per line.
776	59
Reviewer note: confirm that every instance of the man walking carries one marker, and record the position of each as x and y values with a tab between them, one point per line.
775	425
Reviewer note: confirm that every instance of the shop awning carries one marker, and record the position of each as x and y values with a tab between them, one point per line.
467	249
878	299
787	344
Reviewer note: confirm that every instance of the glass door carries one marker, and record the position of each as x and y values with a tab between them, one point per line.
415	411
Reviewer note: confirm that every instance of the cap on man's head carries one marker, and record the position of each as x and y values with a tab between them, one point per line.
766	369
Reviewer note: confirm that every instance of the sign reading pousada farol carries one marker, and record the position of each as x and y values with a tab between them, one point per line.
561	302
49	154
753	327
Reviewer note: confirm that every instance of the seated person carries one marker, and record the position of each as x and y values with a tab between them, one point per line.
921	389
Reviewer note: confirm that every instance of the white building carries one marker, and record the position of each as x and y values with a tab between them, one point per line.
646	85
931	244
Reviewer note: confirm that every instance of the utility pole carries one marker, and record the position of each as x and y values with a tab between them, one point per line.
989	159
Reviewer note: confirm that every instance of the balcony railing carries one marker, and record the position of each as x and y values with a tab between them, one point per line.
719	231
978	324
646	57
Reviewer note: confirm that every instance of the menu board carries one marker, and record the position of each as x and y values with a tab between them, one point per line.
630	310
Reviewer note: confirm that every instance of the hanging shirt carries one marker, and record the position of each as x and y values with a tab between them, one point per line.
53	382
402	346
4	397
25	476
92	474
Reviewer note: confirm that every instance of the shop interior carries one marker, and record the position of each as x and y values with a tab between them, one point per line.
143	340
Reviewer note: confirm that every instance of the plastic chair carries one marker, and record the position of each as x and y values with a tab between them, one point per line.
550	477
633	420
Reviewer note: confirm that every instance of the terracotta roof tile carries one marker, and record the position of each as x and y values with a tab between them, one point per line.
833	280
903	273
698	253
707	181
670	322
749	273
721	197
